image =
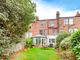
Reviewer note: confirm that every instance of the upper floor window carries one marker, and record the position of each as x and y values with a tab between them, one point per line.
42	23
54	32
68	21
42	32
71	21
65	21
51	23
61	29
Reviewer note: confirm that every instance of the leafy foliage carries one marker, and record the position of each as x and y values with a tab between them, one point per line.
60	37
15	17
66	43
76	50
75	41
29	42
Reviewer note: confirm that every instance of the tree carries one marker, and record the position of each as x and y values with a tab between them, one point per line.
15	17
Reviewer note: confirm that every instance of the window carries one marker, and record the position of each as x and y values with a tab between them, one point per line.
42	23
38	40
61	29
43	40
42	32
71	21
51	40
54	32
68	21
65	21
51	23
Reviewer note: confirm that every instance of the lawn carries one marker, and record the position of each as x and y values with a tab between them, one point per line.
38	54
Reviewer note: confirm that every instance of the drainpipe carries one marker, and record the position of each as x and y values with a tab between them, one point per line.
68	25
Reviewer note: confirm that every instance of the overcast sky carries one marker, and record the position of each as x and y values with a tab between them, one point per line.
46	9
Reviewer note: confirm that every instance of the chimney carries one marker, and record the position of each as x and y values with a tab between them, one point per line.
57	14
78	14
57	17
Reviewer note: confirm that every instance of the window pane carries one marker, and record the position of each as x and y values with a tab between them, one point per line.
65	21
54	32
51	23
71	21
42	32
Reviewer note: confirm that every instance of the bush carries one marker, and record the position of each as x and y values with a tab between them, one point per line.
29	42
65	43
76	50
75	42
60	37
75	38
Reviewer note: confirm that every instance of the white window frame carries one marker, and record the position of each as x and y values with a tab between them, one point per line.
68	20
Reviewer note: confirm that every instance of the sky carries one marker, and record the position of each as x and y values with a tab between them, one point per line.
46	9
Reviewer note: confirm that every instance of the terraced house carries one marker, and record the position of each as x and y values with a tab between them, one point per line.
51	27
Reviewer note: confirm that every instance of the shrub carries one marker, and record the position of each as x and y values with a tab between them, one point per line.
65	43
60	37
29	42
75	38
75	42
76	50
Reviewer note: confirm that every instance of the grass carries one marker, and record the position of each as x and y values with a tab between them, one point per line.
38	54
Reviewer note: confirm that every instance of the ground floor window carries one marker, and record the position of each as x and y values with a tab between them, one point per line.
51	41
54	31
38	40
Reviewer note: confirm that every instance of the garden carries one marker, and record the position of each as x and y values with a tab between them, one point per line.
68	45
38	54
67	48
15	19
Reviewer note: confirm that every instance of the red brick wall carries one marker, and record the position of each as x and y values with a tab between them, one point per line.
77	22
36	26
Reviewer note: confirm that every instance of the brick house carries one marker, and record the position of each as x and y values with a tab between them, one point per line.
54	26
44	27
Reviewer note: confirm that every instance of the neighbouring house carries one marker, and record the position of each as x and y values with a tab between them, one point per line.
51	27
